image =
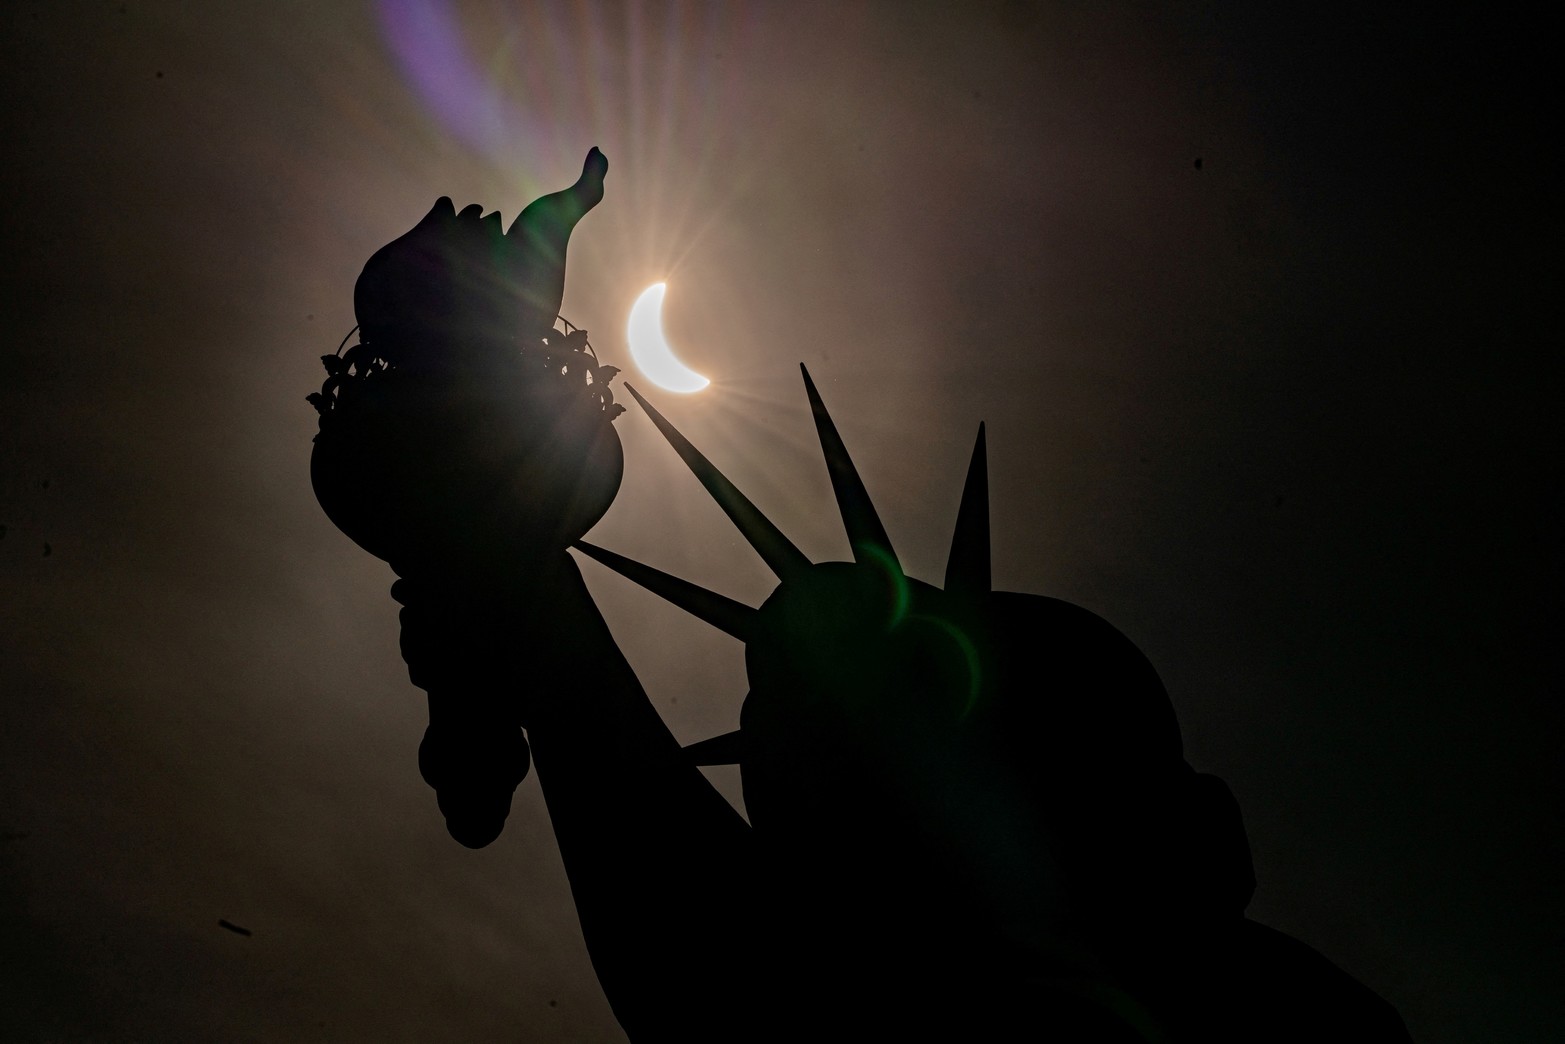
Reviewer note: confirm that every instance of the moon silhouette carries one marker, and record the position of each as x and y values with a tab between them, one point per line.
650	348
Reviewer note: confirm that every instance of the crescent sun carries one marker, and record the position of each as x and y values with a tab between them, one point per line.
650	348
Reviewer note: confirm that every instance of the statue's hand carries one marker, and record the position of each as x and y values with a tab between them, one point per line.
459	435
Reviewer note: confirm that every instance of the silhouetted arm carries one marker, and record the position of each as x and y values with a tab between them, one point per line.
656	856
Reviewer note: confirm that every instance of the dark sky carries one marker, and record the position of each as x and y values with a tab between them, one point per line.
1285	415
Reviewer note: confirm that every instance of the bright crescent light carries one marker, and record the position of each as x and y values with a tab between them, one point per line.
650	348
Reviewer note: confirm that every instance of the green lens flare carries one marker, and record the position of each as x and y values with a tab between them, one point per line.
901	592
969	654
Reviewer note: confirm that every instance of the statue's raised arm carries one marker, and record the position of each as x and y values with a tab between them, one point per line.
468	439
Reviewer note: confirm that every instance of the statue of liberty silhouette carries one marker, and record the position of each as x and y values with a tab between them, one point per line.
970	813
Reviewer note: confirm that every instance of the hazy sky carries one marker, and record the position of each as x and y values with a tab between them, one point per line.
1252	302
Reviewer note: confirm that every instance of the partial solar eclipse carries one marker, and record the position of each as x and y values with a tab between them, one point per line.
650	348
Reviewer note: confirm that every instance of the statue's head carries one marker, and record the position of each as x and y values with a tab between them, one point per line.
988	751
985	754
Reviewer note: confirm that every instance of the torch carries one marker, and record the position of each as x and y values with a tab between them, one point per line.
467	439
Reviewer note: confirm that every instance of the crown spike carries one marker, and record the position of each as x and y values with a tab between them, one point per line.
866	534
719	750
778	551
720	611
967	569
